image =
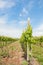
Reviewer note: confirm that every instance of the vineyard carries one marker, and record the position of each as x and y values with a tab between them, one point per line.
21	32
4	43
32	46
28	50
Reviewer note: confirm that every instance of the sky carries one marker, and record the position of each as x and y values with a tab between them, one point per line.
14	16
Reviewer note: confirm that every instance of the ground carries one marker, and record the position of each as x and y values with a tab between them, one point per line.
16	56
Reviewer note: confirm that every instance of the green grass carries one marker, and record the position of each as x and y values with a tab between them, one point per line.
24	62
37	52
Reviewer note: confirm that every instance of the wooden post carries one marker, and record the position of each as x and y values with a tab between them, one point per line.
27	52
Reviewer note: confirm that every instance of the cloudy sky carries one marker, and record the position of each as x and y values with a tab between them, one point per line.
14	15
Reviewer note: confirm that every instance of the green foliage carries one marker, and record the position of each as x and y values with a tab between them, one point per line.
26	38
38	40
4	38
4	41
27	34
41	38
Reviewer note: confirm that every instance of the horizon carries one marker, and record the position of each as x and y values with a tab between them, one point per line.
14	17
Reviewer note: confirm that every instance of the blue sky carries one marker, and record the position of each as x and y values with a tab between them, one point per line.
14	16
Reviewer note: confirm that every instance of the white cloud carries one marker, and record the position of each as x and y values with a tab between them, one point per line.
6	4
24	12
20	15
38	31
16	32
11	29
27	8
11	32
22	22
28	18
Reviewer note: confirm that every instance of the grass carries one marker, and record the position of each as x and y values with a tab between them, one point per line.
24	62
37	52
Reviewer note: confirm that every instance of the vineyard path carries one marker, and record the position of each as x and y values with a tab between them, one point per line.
18	55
